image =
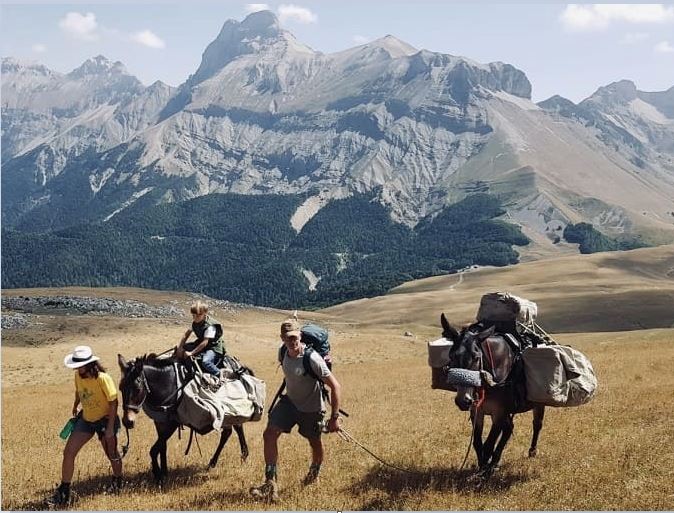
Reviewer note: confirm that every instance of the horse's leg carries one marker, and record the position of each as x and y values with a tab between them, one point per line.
158	450
539	413
477	418
154	452
506	432
224	436
490	442
242	441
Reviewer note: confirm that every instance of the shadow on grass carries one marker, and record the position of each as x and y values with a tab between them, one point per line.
137	482
399	486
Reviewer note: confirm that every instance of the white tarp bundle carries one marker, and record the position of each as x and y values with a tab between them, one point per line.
558	376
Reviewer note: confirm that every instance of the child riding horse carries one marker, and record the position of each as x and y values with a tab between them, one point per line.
154	385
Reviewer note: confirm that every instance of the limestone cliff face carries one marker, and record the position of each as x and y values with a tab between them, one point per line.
264	113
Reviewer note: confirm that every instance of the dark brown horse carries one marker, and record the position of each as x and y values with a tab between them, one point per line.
491	355
155	385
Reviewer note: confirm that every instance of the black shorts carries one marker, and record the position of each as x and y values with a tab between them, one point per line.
98	427
284	416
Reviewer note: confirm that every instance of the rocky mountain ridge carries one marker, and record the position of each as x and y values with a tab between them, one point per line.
264	113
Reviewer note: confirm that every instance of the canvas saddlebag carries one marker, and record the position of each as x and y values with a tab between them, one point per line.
558	376
210	403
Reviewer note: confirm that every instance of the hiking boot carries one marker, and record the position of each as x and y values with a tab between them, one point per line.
311	477
267	491
59	499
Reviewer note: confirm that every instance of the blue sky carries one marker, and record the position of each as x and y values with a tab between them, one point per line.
566	49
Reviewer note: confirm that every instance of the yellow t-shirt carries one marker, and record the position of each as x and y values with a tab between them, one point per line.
95	394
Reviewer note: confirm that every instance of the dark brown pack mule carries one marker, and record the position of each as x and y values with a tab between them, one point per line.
500	393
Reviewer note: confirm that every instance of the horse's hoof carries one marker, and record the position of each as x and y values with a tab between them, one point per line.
486	472
533	453
211	464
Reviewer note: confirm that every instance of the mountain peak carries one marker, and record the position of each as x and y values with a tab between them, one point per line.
258	32
393	46
622	91
13	65
261	23
98	65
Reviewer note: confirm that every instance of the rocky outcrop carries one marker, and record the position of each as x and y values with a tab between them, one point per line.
41	305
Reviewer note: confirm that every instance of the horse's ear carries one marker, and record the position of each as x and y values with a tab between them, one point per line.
448	330
486	333
122	362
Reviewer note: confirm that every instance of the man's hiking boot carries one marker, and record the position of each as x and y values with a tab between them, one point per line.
267	491
61	498
311	477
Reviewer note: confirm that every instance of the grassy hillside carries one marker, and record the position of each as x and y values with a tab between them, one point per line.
600	292
611	454
393	412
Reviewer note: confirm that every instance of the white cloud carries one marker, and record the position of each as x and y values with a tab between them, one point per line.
634	37
361	40
664	47
600	16
39	48
287	12
80	26
251	8
148	38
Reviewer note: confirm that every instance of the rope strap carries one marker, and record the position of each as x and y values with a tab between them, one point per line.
346	436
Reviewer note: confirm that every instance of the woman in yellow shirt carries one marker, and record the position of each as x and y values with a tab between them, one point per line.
95	408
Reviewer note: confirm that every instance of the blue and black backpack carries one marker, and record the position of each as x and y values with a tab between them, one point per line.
316	339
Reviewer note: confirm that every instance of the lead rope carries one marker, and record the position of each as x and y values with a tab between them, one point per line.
470	442
472	422
125	448
346	436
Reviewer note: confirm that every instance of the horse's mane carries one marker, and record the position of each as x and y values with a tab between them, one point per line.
159	363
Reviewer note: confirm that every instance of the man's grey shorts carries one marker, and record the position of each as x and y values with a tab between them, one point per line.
284	416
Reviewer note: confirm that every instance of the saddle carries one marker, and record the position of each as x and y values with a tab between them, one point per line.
505	349
498	354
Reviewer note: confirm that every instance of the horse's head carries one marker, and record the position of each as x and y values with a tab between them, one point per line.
465	353
133	387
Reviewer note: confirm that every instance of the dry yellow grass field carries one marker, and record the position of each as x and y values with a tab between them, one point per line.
613	454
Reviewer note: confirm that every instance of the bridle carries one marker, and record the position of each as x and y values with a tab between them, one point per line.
126	405
145	387
133	407
481	393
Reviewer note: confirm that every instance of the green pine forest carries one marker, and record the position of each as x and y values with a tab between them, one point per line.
243	249
590	240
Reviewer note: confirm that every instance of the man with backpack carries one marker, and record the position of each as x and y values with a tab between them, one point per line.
302	405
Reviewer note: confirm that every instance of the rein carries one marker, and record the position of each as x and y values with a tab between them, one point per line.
491	356
125	448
